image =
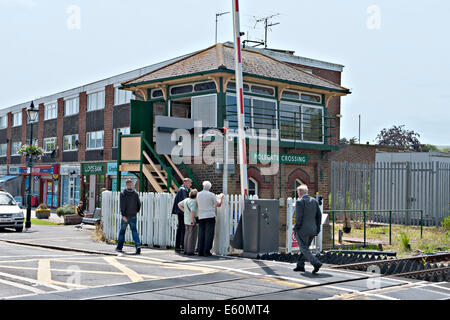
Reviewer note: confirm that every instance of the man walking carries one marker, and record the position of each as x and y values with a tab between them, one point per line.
182	194
308	219
130	205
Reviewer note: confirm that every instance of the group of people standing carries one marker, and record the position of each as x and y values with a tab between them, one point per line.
196	218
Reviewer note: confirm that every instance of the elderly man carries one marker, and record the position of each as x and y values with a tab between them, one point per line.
206	202
308	219
182	194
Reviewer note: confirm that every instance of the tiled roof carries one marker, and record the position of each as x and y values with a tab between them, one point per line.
222	55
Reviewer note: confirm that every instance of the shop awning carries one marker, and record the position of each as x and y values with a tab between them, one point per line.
7	178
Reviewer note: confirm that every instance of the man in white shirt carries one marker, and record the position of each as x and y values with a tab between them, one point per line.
207	201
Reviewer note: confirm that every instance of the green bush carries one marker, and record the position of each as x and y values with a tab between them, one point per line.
446	223
405	241
67	209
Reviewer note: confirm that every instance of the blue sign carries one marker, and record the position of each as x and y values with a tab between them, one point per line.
112	170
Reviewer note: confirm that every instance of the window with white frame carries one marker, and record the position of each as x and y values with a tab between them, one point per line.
96	101
15	147
70	142
49	145
252	187
71	106
3	122
122	96
51	111
3	148
94	140
116	135
17	119
260	113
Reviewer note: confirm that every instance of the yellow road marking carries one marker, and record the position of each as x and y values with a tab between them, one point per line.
44	273
133	275
172	265
284	282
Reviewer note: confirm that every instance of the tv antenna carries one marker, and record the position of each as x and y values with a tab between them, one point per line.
217	20
267	25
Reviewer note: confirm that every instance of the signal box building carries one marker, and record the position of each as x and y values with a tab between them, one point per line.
79	128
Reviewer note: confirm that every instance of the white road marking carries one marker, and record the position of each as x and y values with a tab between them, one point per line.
29	280
21	286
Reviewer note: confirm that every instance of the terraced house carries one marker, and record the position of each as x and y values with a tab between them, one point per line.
79	129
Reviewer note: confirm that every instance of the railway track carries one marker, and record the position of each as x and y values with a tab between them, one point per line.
433	268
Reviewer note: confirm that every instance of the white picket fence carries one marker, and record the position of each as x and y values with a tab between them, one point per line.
292	243
157	226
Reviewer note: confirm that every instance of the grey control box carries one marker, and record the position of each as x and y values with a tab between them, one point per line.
258	231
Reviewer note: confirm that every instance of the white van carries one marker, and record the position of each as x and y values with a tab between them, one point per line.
11	216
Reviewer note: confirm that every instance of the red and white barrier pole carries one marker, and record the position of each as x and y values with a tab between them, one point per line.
240	99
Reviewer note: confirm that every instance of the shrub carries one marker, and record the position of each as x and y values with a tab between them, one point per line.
405	241
446	223
67	209
42	206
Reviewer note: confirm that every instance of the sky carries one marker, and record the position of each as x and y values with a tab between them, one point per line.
395	52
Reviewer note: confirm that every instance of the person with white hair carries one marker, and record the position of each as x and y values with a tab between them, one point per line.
206	202
308	218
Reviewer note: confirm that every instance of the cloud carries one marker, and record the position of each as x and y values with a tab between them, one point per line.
26	4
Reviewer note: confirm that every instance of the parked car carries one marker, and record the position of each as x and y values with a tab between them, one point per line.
11	216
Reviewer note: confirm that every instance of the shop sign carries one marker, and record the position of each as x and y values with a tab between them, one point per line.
67	170
301	159
112	170
40	170
94	169
3	170
14	170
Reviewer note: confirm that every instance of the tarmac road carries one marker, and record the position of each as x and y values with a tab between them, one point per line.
28	271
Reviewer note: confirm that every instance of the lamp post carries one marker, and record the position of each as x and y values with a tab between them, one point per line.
32	114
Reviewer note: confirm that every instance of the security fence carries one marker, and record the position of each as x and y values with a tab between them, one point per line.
392	186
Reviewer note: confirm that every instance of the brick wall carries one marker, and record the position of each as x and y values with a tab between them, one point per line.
358	153
24	130
41	125
108	122
82	127
59	130
9	136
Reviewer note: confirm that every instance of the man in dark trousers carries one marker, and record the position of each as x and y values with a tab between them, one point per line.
182	194
130	205
308	220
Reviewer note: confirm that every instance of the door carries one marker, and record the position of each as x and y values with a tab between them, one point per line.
91	201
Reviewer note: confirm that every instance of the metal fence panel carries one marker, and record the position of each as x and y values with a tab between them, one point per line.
383	186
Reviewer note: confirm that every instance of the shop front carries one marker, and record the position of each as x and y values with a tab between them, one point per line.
112	174
94	179
70	184
44	186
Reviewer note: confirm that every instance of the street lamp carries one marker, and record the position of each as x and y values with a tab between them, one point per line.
32	114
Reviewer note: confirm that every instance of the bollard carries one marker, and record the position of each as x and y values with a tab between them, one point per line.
333	229
390	227
365	244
